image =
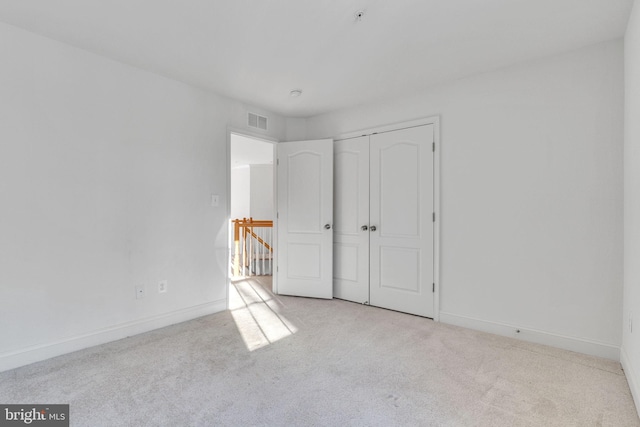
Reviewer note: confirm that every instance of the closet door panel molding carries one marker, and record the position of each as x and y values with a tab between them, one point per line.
351	214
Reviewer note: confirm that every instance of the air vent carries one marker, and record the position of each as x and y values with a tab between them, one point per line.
256	121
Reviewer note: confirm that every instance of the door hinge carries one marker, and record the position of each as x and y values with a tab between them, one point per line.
433	289
277	215
434	217
277	162
433	147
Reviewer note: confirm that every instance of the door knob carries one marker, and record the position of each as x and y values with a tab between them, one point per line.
327	226
364	228
373	228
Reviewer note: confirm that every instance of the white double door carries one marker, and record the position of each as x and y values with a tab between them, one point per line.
357	223
383	240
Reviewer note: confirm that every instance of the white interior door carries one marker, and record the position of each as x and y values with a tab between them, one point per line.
305	218
350	231
401	226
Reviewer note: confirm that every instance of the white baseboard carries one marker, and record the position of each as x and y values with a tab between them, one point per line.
632	377
26	356
579	345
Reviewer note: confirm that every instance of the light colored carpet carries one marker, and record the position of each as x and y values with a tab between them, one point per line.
296	361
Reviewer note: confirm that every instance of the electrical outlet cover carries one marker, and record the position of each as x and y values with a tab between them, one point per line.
162	286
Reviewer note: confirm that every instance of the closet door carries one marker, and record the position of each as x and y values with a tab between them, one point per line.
351	219
401	225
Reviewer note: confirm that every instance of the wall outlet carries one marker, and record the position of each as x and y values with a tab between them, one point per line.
139	292
162	286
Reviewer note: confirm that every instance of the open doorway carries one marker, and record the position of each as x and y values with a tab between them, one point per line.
254	307
251	229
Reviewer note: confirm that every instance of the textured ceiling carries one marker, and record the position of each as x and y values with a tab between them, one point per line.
257	51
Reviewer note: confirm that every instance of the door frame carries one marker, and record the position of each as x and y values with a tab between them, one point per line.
274	142
435	121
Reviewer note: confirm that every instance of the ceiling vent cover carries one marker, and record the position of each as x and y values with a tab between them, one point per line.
256	121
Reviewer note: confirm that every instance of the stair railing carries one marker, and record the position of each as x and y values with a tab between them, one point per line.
252	247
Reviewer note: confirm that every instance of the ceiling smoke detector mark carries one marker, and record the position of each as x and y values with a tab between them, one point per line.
257	121
295	93
359	15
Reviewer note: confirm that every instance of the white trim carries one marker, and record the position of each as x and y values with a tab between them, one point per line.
436	225
250	134
632	377
227	264
389	128
36	353
276	221
576	344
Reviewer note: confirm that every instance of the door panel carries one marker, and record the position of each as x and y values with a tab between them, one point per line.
399	180
401	207
399	268
305	209
351	243
345	265
304	203
302	259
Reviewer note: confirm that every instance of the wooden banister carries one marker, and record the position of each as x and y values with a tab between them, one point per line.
242	228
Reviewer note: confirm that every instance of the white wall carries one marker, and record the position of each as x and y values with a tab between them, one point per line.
106	173
240	192
262	192
630	352
296	129
531	181
252	192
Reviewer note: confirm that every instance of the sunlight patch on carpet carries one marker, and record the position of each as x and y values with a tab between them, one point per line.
257	314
